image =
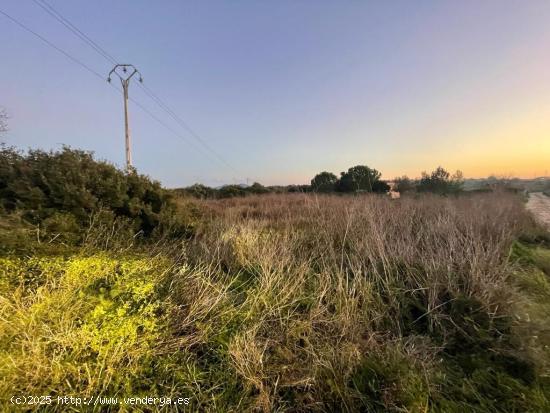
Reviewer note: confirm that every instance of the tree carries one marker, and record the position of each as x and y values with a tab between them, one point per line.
403	184
257	188
441	182
324	182
358	178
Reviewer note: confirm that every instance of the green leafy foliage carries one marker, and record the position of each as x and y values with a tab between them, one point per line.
257	189
227	191
230	191
60	190
324	182
441	182
197	191
358	178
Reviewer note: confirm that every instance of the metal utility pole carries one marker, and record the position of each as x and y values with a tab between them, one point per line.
125	81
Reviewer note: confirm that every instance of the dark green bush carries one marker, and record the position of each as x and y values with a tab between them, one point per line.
358	178
60	190
196	191
324	182
441	182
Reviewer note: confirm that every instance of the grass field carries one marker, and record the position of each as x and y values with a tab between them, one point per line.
292	303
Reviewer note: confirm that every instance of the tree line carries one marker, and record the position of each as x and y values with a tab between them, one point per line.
357	179
361	178
440	181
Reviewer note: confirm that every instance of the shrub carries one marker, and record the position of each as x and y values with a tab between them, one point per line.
230	191
403	184
441	182
197	191
257	188
69	185
324	182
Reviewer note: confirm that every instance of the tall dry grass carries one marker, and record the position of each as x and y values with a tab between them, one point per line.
295	303
325	302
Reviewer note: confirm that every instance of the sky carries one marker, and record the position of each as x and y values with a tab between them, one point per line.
282	90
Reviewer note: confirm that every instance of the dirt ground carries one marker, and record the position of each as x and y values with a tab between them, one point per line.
539	205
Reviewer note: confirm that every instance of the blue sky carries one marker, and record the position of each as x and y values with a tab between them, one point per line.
285	89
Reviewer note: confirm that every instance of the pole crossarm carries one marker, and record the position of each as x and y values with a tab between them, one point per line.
125	68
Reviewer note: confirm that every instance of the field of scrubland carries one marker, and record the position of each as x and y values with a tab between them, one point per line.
295	303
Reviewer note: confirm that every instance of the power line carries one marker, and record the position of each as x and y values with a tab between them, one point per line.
183	124
50	44
158	120
95	73
59	17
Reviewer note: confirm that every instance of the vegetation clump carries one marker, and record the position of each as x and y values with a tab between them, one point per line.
59	192
358	179
441	182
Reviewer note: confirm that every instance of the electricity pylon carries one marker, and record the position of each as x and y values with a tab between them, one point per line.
125	81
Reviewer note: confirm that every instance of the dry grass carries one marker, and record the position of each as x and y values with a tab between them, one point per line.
322	284
327	303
